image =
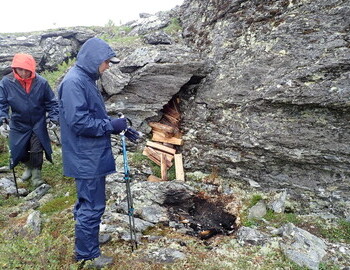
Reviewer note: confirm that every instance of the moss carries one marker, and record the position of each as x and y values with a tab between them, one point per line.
58	204
336	233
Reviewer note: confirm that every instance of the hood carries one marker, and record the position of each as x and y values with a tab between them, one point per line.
91	55
25	61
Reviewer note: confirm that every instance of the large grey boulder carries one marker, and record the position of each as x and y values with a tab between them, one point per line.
148	79
302	247
275	107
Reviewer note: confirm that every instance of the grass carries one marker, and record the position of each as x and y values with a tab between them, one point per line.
254	200
44	252
118	34
174	27
54	247
278	219
53	76
58	204
4	152
336	233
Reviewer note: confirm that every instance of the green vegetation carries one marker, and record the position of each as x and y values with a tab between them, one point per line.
58	204
48	251
4	152
118	34
328	266
174	27
278	219
11	201
157	172
336	233
254	200
53	76
138	158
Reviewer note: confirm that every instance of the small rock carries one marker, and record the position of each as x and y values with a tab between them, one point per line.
258	211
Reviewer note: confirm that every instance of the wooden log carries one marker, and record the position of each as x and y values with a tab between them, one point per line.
167	130
161	147
156	156
158	137
171	111
179	168
161	127
147	154
153	178
171	119
177	132
163	167
169	157
167	122
176	104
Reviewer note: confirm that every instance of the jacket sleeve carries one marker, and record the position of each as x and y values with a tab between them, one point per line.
74	103
4	106
51	103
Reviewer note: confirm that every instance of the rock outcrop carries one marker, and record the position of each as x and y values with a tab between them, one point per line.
275	108
49	49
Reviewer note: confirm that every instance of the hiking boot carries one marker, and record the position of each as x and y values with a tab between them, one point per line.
98	263
36	177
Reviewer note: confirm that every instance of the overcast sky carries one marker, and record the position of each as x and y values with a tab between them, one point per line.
26	15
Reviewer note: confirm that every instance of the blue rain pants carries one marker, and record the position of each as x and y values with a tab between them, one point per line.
88	210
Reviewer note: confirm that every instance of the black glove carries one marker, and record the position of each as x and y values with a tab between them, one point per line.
132	134
119	124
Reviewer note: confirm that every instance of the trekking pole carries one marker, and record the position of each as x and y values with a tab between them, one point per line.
58	138
133	239
5	123
129	196
15	180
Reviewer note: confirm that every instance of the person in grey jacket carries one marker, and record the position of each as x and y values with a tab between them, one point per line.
86	143
27	104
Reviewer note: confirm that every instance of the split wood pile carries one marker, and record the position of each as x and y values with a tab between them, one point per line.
166	136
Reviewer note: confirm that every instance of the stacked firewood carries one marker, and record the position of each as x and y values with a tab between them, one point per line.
166	136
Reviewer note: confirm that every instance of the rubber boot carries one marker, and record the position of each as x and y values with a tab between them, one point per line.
36	177
26	174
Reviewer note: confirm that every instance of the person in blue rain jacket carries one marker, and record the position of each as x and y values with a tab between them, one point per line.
86	143
27	103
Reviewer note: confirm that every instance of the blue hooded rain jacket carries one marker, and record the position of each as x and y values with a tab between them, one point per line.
28	114
85	125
